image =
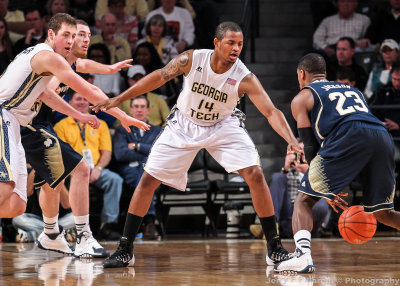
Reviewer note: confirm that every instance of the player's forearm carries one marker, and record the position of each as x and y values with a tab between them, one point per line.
89	66
151	82
54	101
278	122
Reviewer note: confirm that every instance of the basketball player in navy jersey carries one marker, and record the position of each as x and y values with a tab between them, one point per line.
205	117
342	139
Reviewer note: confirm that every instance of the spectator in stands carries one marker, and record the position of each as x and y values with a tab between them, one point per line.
346	75
131	150
30	224
380	74
108	83
36	34
284	190
180	23
147	56
156	30
346	23
95	146
127	25
138	8
55	6
386	25
387	95
6	49
15	21
159	110
119	47
345	50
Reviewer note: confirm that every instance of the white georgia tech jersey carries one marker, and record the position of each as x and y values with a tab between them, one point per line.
20	86
208	97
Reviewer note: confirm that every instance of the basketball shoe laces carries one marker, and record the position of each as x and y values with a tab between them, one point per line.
123	253
276	252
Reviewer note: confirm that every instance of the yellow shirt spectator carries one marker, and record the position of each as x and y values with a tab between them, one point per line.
96	139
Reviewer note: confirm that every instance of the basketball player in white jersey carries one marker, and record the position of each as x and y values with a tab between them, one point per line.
67	161
23	82
205	117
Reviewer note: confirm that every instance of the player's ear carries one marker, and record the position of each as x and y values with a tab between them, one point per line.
216	42
50	34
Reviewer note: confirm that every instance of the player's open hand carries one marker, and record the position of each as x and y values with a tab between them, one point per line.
107	104
337	201
120	65
90	119
130	121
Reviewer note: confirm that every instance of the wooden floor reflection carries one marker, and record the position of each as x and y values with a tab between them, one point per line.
206	262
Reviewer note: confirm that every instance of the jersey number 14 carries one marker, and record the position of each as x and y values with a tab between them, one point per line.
343	97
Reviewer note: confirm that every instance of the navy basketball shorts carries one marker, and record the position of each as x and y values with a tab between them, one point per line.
354	148
52	158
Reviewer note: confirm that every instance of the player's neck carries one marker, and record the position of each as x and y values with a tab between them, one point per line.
219	66
71	58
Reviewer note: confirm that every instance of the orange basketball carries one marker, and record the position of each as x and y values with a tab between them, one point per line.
357	226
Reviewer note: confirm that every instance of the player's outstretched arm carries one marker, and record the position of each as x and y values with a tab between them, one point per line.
253	88
89	66
177	66
46	61
51	98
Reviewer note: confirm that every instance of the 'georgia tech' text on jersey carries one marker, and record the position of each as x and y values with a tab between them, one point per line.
207	97
20	86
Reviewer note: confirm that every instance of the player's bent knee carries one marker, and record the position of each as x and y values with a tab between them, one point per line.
6	190
252	174
83	169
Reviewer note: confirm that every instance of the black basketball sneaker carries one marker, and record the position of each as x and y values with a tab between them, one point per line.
123	257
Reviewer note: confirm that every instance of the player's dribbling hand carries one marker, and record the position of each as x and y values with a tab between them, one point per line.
130	121
107	104
337	201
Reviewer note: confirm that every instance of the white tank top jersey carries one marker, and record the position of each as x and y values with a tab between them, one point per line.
20	86
207	97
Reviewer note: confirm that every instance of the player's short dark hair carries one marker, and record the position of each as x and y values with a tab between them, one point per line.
395	67
82	22
58	19
312	63
224	27
144	96
349	40
345	73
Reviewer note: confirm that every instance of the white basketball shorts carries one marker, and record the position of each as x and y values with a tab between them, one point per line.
173	152
12	161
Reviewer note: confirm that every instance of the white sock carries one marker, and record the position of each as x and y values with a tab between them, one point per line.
302	239
82	223
51	224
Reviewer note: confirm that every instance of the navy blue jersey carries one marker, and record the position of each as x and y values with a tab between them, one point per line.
335	104
44	113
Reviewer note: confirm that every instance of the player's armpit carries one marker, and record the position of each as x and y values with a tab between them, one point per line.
177	66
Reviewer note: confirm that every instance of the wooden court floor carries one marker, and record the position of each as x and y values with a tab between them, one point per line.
205	262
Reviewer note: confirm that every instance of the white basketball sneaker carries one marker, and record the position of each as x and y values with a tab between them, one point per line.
301	263
87	246
54	242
